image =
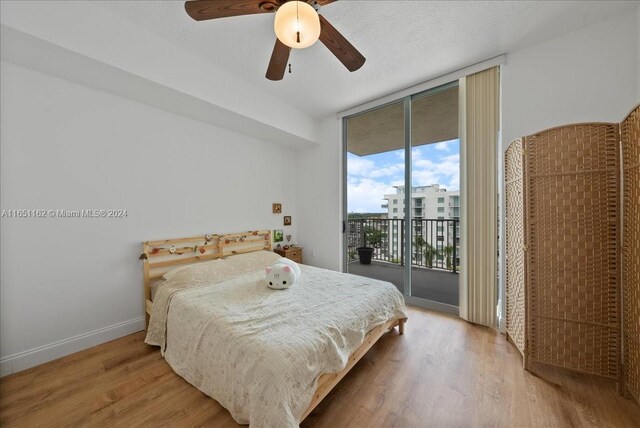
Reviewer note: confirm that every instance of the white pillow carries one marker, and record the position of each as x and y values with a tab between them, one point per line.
256	260
259	259
168	275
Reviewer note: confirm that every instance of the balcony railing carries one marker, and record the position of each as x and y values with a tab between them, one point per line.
436	242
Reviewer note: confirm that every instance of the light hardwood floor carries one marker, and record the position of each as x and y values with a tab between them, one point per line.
443	372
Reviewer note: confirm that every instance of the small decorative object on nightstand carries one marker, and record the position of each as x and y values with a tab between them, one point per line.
292	253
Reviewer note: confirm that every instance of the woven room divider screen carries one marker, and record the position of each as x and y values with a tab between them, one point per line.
630	137
563	239
514	238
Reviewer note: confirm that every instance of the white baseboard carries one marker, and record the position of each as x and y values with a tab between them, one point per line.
42	354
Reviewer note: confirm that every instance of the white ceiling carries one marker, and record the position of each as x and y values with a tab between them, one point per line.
405	42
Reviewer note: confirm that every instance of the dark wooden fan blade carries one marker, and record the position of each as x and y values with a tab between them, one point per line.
201	10
339	46
325	2
278	63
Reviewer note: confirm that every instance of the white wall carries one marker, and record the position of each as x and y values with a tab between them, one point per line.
66	284
319	198
589	75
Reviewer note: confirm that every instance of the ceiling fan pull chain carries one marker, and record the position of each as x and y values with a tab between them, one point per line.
290	60
297	24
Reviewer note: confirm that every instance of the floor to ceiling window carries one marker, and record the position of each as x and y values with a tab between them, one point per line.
402	193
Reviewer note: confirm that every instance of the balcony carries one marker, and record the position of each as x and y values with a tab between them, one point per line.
435	257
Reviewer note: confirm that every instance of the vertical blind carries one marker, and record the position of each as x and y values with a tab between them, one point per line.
479	126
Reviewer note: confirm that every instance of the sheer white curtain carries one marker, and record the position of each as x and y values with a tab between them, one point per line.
479	127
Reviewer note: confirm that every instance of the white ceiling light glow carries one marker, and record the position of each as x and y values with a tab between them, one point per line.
297	24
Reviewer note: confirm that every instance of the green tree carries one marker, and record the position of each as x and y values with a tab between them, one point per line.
448	252
373	237
430	252
418	245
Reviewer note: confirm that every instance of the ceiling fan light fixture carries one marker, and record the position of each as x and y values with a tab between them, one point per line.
297	24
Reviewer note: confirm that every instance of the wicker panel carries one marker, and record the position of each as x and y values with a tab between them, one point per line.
573	263
514	244
630	136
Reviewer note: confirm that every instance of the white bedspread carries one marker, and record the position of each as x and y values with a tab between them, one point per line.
259	352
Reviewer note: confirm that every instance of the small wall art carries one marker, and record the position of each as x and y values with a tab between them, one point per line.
278	235
277	208
287	220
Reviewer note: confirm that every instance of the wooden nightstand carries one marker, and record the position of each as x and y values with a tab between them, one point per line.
292	253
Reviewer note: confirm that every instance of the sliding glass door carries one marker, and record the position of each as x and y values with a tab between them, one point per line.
435	195
375	173
402	169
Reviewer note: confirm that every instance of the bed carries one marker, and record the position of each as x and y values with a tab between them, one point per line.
267	356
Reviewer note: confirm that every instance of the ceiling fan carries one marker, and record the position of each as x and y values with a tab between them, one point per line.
297	25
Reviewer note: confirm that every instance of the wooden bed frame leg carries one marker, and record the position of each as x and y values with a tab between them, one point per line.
401	325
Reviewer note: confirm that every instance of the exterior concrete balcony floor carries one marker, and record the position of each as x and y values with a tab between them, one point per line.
431	284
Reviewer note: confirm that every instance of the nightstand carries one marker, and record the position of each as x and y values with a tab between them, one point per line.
292	253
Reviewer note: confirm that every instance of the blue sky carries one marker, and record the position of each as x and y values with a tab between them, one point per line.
369	178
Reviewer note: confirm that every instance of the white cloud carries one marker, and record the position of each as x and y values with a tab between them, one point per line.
445	171
451	158
423	163
362	167
454	184
359	166
425	177
388	171
443	146
365	195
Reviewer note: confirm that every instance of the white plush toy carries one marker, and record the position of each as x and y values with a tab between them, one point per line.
283	274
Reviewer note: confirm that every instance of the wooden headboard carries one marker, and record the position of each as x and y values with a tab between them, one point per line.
163	255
